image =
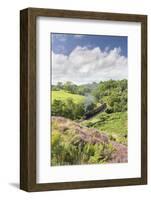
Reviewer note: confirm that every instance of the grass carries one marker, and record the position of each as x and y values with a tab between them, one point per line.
114	125
63	95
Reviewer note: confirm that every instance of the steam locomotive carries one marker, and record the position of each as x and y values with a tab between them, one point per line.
97	110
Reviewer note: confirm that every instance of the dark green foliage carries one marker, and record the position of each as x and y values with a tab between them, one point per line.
111	92
109	110
57	108
114	94
67	109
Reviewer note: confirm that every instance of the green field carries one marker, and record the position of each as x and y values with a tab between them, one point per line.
63	96
114	125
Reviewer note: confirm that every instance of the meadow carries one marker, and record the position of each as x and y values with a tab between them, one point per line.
64	95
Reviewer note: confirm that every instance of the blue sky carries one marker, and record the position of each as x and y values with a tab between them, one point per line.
65	43
87	58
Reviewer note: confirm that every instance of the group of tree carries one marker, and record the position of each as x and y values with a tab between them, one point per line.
111	92
75	89
67	109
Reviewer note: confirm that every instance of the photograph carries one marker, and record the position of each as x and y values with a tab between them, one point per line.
83	99
89	97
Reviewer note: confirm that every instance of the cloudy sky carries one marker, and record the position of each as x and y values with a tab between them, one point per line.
88	58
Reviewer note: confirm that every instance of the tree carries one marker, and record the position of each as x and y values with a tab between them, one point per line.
57	108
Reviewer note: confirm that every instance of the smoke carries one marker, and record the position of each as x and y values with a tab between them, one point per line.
89	100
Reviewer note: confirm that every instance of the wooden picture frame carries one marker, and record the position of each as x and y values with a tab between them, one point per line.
28	98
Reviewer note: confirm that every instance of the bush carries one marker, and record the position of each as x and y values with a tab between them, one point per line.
65	151
109	110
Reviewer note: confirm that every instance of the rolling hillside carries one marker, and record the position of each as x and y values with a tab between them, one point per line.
63	95
114	125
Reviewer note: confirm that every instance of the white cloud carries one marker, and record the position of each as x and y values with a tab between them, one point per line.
85	65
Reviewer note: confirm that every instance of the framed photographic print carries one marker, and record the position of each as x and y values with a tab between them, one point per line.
83	93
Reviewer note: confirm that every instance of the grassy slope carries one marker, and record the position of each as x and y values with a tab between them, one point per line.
63	95
114	125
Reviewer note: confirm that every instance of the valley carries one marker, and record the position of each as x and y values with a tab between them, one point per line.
89	123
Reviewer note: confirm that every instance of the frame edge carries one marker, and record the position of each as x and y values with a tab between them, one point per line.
23	99
27	101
